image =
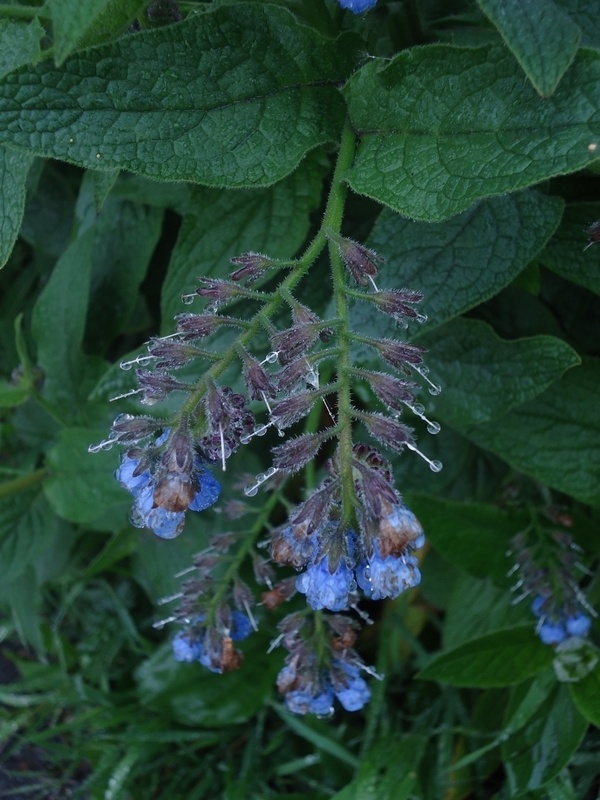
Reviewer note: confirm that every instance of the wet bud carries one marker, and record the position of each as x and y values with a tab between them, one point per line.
294	342
360	261
313	512
296	453
391	391
293	373
219	291
593	233
156	386
179	453
390	433
294	408
398	354
170	355
397	302
251	266
197	326
279	594
258	382
174	492
128	429
374	490
303	315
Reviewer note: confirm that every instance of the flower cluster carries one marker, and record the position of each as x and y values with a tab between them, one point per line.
377	557
358	6
312	678
352	536
546	560
166	479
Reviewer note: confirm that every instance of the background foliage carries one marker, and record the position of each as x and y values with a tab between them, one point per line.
130	169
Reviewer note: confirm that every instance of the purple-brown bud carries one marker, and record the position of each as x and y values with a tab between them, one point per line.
390	433
258	382
128	429
251	266
360	261
398	354
391	391
197	326
397	302
296	453
157	385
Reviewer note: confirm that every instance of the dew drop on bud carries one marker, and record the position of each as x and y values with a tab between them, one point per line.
418	409
435	466
261	477
435	389
423	370
434	427
187	299
421	317
251	490
271	358
126	365
245	438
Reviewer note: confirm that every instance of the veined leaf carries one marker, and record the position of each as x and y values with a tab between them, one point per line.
442	126
203	100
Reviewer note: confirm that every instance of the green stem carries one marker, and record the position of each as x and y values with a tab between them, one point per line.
23	12
22	483
344	366
332	218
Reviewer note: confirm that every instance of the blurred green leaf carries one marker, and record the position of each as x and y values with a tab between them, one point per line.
14	167
537	752
190	694
71	20
442	126
150	103
586	696
27	528
81	486
555	437
542	37
483	377
473	536
498	659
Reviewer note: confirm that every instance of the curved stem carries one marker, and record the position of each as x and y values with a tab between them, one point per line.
22	483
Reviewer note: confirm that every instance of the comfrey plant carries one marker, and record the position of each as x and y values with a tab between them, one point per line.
352	535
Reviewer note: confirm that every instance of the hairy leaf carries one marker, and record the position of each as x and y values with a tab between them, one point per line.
441	127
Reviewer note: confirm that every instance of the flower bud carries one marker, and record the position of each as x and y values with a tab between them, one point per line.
390	433
296	453
360	261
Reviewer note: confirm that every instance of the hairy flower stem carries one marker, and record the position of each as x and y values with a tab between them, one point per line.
247	544
344	420
332	218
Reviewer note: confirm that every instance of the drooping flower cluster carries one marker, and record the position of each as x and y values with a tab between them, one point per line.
546	560
314	677
352	536
166	479
377	558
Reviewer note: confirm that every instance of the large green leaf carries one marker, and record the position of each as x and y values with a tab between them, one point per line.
498	659
234	97
556	437
461	262
538	751
483	377
585	14
72	19
542	37
273	221
586	696
441	127
565	252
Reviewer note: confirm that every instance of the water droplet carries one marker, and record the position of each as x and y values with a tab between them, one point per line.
434	427
418	409
271	471
421	317
106	444
271	358
187	299
435	389
261	477
251	490
245	438
435	466
126	365
260	431
149	401
422	370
